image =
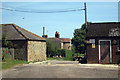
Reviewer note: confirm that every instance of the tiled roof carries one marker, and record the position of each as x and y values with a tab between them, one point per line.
15	32
54	39
65	39
108	29
61	39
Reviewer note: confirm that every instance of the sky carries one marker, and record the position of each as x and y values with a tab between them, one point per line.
65	22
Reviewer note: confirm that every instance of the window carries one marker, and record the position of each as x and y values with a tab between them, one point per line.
92	41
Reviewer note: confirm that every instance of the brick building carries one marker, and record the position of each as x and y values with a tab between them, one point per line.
63	43
29	46
103	42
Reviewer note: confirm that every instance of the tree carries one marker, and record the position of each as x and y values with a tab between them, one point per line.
79	39
52	48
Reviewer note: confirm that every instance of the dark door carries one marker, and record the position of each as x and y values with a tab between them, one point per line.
104	51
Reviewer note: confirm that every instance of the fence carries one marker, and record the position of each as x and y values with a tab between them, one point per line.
8	53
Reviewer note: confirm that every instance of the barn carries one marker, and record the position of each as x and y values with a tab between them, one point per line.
103	42
27	46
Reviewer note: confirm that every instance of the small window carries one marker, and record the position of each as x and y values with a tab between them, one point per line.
92	41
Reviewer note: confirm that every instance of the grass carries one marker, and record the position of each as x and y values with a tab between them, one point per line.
79	54
59	59
11	63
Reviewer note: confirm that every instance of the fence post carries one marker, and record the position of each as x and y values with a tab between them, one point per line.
12	53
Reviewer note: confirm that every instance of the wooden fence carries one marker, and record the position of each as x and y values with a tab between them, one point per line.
8	53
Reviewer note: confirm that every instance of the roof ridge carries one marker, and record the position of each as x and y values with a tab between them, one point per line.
29	32
14	25
104	22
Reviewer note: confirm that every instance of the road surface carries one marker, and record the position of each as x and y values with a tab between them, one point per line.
60	69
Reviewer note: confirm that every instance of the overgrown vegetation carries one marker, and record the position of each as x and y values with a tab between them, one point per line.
53	49
69	55
6	44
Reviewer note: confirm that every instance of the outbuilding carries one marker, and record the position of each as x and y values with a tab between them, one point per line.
103	42
27	45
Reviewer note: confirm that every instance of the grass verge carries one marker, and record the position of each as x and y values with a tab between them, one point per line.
11	63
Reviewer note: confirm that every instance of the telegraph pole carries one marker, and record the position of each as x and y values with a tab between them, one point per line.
85	14
85	22
44	32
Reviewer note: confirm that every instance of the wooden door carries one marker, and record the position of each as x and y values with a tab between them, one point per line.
104	51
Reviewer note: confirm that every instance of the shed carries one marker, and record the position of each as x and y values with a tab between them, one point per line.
28	46
103	42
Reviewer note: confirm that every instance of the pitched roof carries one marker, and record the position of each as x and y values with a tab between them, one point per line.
65	39
60	39
54	39
14	32
108	29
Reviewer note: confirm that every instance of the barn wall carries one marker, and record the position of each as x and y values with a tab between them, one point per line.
36	51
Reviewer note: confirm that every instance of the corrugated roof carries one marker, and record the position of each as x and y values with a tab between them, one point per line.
15	32
108	29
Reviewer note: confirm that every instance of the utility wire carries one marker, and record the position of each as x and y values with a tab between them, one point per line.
41	11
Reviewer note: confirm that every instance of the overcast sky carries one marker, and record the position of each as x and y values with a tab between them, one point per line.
65	23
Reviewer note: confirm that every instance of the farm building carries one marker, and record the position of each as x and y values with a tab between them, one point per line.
63	43
103	42
27	46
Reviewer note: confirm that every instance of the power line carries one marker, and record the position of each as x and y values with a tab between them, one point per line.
41	11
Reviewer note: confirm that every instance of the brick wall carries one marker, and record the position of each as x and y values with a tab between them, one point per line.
36	51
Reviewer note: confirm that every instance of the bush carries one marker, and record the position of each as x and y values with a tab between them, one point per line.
53	49
68	55
61	52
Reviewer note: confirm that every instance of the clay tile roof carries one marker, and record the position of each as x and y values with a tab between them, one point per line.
65	39
107	29
60	39
15	32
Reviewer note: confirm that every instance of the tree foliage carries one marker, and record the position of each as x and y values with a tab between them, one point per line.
79	39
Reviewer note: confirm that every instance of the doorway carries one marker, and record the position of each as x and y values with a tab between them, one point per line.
105	55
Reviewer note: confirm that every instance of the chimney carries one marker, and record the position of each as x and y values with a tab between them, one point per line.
57	35
44	36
